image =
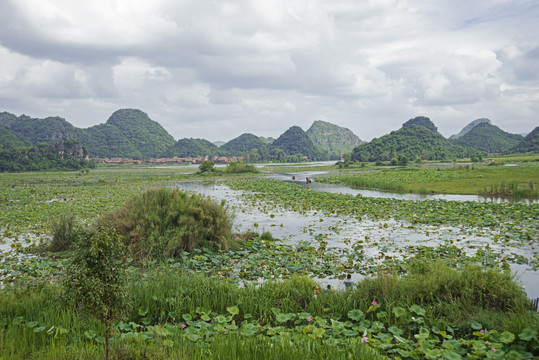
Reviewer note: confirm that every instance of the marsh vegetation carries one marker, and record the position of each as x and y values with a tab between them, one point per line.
201	283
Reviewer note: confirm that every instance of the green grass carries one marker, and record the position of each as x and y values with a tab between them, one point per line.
36	325
475	179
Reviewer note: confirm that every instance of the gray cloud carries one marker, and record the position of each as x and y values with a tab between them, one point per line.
216	69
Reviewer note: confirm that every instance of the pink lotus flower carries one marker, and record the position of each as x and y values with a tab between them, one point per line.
364	339
374	303
482	332
183	326
309	319
493	350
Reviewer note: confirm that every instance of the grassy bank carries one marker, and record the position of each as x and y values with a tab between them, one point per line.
518	181
174	315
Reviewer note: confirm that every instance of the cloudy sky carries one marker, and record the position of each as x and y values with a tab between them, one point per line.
216	69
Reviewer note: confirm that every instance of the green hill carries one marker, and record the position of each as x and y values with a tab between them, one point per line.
10	140
243	144
469	127
148	137
421	121
413	141
488	138
332	140
530	143
296	141
39	130
128	133
193	148
107	141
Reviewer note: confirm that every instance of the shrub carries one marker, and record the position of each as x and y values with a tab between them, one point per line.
96	280
237	167
206	166
162	223
64	232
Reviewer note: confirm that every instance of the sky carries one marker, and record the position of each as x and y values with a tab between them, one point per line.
215	69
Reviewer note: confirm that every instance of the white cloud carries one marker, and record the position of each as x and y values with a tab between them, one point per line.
217	68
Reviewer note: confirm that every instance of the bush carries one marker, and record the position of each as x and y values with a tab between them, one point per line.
206	166
162	223
237	167
64	232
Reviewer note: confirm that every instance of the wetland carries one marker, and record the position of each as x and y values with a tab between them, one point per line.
437	275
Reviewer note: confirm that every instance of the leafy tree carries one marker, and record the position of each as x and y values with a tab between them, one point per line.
238	167
206	166
402	160
95	281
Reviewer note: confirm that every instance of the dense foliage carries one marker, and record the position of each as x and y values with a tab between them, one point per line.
95	282
243	144
128	133
194	148
469	127
10	139
165	222
106	141
239	167
146	135
40	130
60	155
421	121
296	141
530	143
412	141
488	138
332	140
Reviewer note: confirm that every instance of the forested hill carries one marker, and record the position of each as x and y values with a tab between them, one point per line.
488	138
421	121
193	148
413	141
128	133
243	144
39	130
530	143
148	137
107	141
469	127
296	141
11	140
332	140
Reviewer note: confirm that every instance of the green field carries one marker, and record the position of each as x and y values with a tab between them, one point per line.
257	300
488	179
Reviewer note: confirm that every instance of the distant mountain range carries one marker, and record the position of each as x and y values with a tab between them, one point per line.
419	139
130	133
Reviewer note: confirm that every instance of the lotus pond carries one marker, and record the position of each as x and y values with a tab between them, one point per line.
240	302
